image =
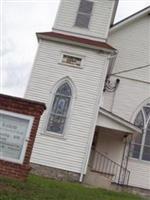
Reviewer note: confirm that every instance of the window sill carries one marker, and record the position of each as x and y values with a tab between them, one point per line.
81	27
69	65
54	135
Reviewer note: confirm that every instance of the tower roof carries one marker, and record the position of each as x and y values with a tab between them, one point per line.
70	39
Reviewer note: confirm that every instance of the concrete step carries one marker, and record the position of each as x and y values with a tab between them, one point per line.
106	174
97	179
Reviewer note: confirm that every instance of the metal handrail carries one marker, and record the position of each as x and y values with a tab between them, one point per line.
102	164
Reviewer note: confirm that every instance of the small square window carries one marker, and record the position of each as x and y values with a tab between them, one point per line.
71	60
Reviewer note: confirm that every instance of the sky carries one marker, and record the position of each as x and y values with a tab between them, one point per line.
19	21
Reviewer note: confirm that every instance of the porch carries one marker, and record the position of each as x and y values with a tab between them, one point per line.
108	163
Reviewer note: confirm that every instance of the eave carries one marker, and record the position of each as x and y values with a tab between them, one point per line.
73	40
131	18
124	125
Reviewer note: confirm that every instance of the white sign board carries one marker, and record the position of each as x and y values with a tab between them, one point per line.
14	135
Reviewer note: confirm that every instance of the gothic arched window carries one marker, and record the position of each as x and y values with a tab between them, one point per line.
59	110
141	143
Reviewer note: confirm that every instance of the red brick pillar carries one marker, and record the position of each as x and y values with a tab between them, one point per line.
9	108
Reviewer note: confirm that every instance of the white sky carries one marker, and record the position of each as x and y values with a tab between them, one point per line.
20	20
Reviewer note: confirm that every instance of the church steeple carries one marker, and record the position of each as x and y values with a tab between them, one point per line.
85	18
74	54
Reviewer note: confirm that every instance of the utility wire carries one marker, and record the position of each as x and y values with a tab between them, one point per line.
128	70
133	79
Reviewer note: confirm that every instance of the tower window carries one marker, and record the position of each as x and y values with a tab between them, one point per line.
59	110
84	13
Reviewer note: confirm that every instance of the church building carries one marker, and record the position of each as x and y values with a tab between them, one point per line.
94	77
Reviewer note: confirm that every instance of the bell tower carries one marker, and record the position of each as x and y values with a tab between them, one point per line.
68	75
86	18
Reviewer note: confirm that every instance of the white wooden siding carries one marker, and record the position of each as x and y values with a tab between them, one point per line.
128	97
99	23
67	153
133	44
111	144
140	173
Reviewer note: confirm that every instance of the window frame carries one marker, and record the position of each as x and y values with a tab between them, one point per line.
84	14
72	55
144	134
68	116
30	120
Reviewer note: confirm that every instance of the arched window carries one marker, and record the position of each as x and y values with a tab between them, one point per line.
59	110
141	143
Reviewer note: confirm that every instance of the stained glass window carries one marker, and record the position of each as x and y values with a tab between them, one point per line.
59	109
141	144
84	13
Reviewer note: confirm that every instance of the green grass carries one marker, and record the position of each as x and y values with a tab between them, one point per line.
39	188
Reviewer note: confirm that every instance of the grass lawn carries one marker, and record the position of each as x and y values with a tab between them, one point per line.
38	188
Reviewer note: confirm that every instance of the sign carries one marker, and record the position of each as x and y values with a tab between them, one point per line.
14	134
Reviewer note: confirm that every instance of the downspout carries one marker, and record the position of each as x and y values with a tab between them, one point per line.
111	65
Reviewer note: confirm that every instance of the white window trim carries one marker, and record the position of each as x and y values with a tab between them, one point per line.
23	152
142	145
69	113
73	55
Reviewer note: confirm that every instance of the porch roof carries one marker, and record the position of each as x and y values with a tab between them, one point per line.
110	120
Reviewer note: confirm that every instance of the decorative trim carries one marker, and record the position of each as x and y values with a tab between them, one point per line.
72	55
138	109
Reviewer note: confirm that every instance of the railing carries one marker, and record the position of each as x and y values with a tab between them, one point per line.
108	168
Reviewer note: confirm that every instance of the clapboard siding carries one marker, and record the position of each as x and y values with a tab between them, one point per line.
133	44
68	152
99	23
128	97
140	173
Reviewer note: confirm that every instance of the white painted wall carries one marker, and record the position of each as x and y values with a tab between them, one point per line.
107	122
110	143
99	23
127	98
140	173
133	44
69	152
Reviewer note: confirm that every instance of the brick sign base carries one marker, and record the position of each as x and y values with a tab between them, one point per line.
25	107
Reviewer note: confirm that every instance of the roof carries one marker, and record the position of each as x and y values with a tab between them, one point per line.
135	16
94	44
120	120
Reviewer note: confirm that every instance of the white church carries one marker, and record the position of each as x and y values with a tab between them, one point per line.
94	77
